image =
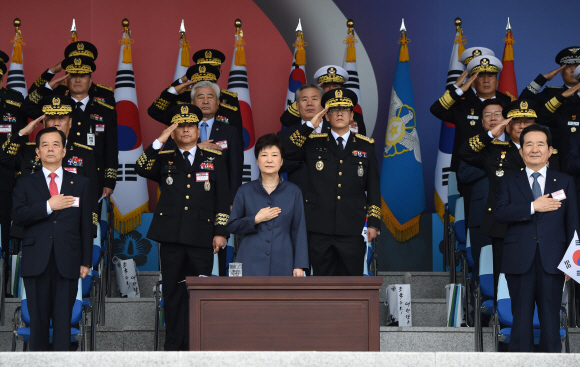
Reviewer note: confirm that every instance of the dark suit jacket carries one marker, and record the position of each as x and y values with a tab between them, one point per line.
573	161
553	231
477	178
69	230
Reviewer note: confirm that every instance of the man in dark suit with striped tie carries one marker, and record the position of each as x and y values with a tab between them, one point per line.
538	205
55	208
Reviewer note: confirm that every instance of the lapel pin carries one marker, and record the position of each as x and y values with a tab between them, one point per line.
554	179
73	182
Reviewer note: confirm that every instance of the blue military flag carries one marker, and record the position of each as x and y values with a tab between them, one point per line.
402	188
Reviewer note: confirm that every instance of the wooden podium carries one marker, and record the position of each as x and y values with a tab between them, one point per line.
284	313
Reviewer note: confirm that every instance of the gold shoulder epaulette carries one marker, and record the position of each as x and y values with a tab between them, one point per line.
233	108
366	138
315	135
554	151
34	143
229	92
105	87
106	105
212	151
498	142
17	104
293	110
166	151
83	146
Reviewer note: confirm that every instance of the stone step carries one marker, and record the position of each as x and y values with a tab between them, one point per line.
146	280
423	284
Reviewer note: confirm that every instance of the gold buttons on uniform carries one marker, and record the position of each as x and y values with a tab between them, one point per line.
188	186
338	197
306	200
187	196
489	209
340	173
186	208
160	213
339	185
189	175
359	162
79	123
341	161
209	220
79	134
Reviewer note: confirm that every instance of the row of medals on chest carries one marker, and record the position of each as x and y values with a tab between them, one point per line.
169	179
320	167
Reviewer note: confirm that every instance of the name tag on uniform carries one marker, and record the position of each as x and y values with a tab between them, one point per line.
202	177
91	139
76	202
471	117
6	129
353	126
70	169
223	144
559	195
573	123
100	128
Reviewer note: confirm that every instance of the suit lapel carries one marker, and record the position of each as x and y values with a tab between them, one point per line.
42	184
199	157
332	144
551	184
524	185
350	144
215	129
515	154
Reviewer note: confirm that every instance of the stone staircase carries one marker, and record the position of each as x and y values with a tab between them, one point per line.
129	323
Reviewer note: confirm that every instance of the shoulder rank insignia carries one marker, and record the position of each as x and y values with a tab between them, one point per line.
17	104
233	108
212	151
553	86
105	105
293	110
166	151
105	87
315	135
498	142
229	93
83	146
365	138
33	143
554	151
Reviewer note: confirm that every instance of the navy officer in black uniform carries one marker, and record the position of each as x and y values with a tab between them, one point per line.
97	92
94	122
190	218
343	187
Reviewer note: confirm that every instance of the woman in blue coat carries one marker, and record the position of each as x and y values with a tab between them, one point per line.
269	212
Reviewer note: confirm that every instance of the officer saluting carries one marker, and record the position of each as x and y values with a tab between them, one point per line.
190	218
343	187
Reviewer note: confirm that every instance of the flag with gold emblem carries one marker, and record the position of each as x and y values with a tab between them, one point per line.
402	187
130	197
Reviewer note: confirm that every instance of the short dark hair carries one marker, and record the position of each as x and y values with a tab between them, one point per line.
47	130
492	101
536	127
266	141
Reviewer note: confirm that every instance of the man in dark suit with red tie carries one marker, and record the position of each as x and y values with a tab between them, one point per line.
539	206
55	208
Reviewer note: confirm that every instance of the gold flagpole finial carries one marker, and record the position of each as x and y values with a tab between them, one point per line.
17	41
509	26
184	45
126	41
240	54
350	41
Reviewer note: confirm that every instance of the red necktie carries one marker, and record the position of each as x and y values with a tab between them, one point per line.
52	185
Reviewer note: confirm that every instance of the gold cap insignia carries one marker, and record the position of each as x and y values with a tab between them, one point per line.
476	53
331	71
184	110
56	101
202	69
524	105
484	62
80	46
338	93
208	54
78	62
574	50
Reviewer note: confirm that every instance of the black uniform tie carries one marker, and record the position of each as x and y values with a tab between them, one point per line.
186	157
79	110
340	147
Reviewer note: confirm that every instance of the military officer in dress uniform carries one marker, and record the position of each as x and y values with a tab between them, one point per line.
559	106
343	186
328	77
79	159
94	122
190	218
498	159
97	92
13	119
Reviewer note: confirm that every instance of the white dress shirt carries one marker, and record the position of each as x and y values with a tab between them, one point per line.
157	145
344	137
209	126
501	138
460	93
57	179
318	130
541	181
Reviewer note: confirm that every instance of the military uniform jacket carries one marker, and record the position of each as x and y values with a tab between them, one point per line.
498	159
228	111
194	204
99	119
560	114
336	203
13	120
97	92
291	117
465	113
79	159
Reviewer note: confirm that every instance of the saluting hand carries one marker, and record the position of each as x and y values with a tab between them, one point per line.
166	133
545	204
571	91
467	83
553	73
31	126
56	82
56	68
266	214
500	128
183	87
317	119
